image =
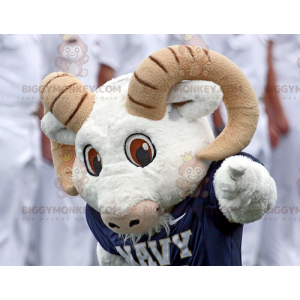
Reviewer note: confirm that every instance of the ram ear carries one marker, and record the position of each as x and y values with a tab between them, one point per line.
55	131
195	99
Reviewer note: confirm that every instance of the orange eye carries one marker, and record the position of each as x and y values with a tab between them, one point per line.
139	150
92	161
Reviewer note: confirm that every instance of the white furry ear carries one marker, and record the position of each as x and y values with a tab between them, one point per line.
203	97
56	131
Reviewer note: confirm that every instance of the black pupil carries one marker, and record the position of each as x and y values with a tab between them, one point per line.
143	157
97	165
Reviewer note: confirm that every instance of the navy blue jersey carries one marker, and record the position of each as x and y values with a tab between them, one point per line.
202	236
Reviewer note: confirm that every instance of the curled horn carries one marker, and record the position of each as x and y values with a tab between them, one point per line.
155	75
67	98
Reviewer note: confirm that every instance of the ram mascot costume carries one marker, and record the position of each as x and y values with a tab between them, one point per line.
160	190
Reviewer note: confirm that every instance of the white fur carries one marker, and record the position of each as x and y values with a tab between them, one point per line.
118	186
206	96
245	190
107	259
56	131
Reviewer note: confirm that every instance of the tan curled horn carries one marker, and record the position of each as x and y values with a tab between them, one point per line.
66	97
155	75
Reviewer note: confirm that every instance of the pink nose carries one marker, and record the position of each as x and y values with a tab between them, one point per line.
138	219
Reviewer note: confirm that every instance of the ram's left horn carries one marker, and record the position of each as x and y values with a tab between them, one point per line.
67	98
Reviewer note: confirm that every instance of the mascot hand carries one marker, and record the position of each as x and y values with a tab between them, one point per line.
244	188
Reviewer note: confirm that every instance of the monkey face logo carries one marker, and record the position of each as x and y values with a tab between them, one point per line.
72	50
79	171
186	53
72	53
77	174
192	174
192	170
71	174
67	174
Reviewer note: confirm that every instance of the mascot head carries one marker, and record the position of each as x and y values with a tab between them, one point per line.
144	138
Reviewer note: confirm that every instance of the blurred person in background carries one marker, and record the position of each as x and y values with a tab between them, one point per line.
21	71
122	53
250	53
283	103
65	238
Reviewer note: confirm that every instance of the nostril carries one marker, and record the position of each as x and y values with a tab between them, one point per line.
157	209
112	225
134	222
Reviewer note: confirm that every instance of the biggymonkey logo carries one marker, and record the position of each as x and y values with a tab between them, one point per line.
72	50
192	171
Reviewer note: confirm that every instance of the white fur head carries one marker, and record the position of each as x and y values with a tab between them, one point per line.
142	136
141	159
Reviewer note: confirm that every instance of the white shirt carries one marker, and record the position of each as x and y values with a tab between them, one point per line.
51	42
248	52
124	52
21	70
286	60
